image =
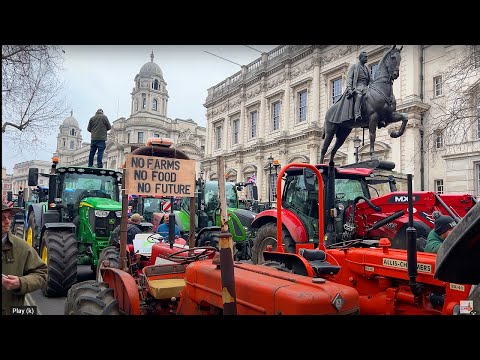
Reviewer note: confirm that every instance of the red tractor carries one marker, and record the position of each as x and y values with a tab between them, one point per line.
388	281
373	218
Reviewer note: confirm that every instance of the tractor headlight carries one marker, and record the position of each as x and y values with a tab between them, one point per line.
118	214
102	213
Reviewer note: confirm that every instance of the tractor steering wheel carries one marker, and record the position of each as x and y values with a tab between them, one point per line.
206	252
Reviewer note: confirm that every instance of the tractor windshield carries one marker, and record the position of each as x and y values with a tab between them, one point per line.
211	195
298	198
76	186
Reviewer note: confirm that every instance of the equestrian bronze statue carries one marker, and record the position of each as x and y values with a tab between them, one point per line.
376	100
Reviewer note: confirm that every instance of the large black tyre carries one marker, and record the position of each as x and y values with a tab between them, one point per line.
59	252
112	254
91	298
400	239
267	235
31	231
208	238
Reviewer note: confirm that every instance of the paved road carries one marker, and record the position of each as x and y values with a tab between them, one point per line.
55	306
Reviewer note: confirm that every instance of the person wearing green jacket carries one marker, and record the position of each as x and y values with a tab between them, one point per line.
98	126
443	226
23	271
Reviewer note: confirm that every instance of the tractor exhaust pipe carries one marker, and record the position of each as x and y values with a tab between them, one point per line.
412	242
330	208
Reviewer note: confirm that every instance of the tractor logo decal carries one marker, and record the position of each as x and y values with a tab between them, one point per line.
402	199
402	264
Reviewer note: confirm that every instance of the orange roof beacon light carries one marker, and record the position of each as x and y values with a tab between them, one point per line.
167	142
55	160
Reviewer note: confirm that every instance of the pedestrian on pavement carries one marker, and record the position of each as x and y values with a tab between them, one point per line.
443	226
23	271
98	126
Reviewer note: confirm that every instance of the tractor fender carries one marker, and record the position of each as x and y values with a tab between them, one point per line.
291	222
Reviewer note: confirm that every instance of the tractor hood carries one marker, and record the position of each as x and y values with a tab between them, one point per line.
245	216
102	203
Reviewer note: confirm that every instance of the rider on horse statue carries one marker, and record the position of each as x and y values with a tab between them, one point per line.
358	79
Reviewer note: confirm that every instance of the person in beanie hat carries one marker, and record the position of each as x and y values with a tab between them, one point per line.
443	226
23	271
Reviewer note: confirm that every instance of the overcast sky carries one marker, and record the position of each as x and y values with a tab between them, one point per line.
99	76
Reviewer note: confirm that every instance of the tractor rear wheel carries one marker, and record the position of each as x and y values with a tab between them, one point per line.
31	231
59	252
91	298
400	239
267	235
112	255
208	238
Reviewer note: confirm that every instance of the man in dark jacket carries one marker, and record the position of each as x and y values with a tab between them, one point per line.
98	127
133	229
22	269
443	226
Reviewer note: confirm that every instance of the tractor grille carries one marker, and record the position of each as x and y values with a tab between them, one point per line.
103	226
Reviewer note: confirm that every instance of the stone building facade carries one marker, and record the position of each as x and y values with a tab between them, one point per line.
275	108
6	183
148	119
19	178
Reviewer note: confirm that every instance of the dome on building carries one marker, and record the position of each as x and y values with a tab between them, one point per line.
150	69
70	121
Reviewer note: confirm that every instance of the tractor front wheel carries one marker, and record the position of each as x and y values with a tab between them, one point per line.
267	235
91	298
59	252
110	254
208	238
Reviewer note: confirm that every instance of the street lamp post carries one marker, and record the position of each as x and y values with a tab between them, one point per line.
356	145
276	164
270	162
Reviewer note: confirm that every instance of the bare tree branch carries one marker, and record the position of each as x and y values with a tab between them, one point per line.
32	100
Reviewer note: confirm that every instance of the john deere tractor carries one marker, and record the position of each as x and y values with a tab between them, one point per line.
74	225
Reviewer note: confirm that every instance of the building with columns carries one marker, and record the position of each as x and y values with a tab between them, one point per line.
148	119
276	105
19	178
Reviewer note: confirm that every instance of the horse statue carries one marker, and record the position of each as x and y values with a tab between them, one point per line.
378	107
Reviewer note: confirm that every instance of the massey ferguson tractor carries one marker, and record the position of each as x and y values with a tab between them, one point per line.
356	213
74	225
389	281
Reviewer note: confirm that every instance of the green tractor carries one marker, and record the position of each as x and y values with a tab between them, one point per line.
74	225
208	219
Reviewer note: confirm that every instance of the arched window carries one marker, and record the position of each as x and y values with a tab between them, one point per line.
72	132
144	104
155	84
155	104
63	142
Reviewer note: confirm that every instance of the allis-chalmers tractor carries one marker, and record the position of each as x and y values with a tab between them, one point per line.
373	218
74	225
388	281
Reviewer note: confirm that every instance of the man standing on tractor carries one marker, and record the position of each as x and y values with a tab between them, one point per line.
98	126
443	226
23	271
